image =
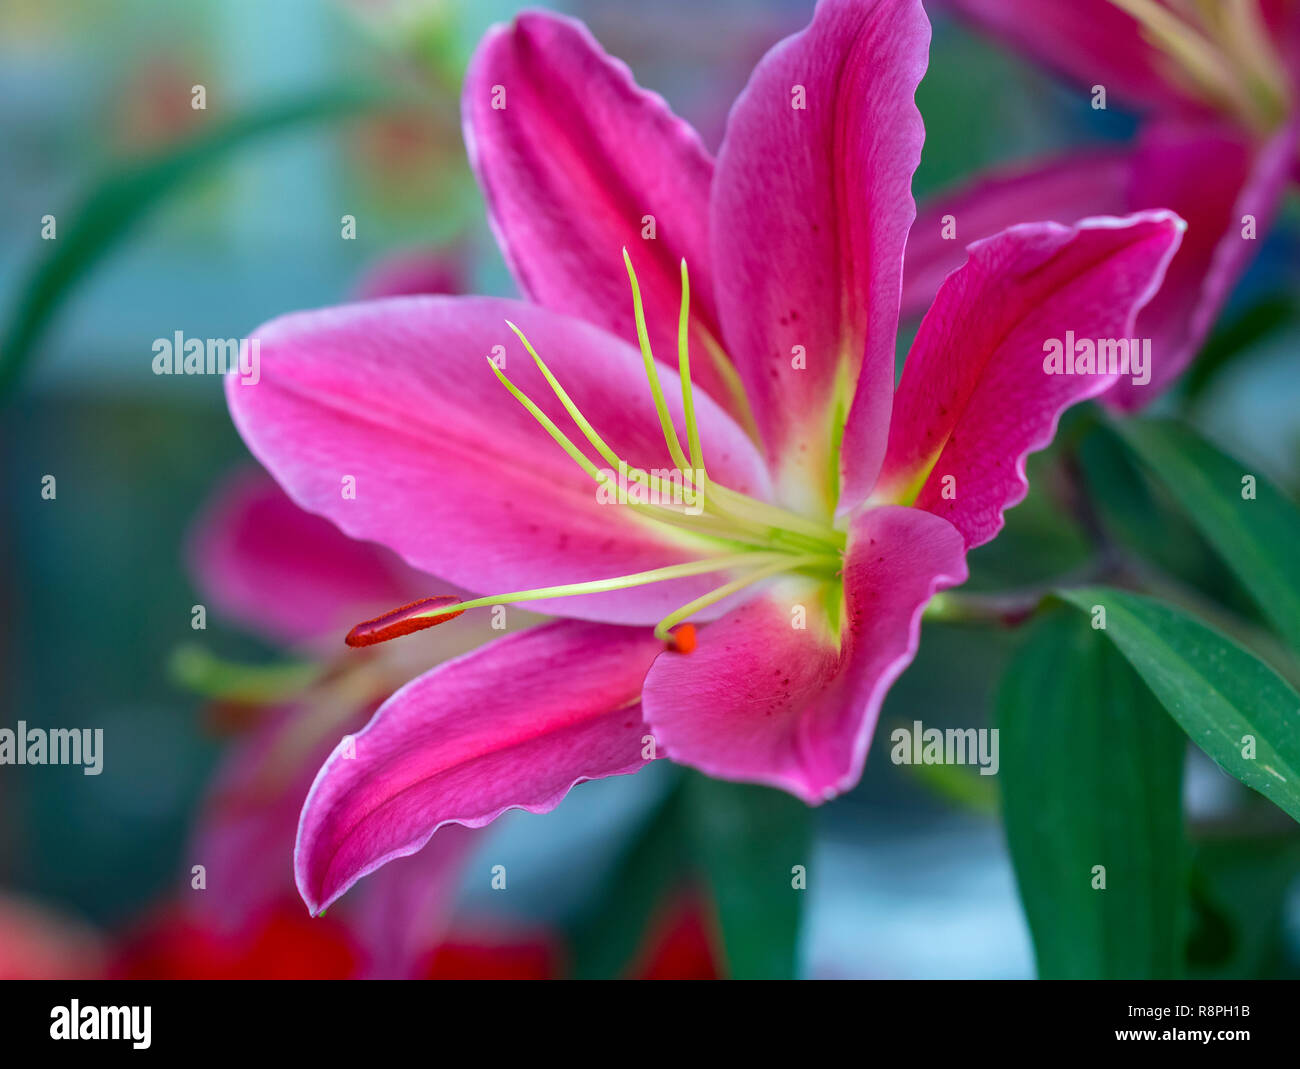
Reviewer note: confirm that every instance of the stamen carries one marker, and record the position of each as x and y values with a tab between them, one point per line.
768	540
560	437
589	432
658	512
619	582
746	520
789	564
684	374
403	621
651	371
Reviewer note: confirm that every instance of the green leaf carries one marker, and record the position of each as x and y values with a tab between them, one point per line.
1239	889
121	197
960	785
1236	338
748	841
1257	538
1091	772
198	670
613	928
1223	697
1136	511
1039	542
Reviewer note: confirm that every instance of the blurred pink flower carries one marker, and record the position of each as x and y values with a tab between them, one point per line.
37	943
827	521
296	580
1217	83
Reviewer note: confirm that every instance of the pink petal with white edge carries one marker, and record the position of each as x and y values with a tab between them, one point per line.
286	574
576	161
513	725
975	398
811	207
386	418
760	700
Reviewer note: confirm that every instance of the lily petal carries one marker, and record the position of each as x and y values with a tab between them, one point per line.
576	161
975	398
288	575
384	417
811	206
512	725
761	700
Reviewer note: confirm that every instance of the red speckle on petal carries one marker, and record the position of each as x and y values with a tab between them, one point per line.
402	621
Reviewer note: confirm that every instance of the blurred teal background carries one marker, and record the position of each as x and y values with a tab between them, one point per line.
95	595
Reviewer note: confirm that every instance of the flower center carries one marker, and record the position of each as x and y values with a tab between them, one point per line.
745	537
1221	52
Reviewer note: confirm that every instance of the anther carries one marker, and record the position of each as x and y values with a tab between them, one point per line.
402	621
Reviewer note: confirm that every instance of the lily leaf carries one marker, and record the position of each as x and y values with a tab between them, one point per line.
202	672
754	846
1091	791
1235	338
1239	892
1231	704
1250	523
646	872
122	196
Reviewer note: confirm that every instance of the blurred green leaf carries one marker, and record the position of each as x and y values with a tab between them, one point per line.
1236	337
960	785
202	672
1239	888
1226	700
1091	773
1040	541
613	927
1143	516
1259	538
748	841
121	197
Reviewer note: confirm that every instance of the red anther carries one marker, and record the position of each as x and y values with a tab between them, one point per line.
402	621
682	639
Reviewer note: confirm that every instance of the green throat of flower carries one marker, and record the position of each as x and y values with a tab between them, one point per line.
1220	51
738	535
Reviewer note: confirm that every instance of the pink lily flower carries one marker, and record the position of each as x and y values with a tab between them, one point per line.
753	638
1217	84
